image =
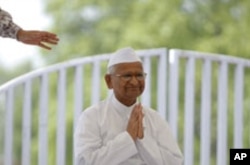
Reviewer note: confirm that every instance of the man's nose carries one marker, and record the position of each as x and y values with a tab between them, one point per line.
134	80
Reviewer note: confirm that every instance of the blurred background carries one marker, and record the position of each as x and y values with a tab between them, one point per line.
93	27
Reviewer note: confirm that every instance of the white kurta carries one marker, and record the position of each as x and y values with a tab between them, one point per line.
101	138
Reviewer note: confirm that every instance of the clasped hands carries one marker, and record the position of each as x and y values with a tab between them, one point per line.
135	124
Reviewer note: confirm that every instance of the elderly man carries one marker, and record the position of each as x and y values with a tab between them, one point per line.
121	131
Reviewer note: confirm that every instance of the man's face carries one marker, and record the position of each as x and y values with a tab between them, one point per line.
127	81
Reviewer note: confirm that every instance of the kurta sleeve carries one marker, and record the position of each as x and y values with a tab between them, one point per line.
158	145
89	149
7	27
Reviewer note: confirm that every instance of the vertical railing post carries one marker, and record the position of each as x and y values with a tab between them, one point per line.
222	114
26	132
61	118
8	143
78	98
162	73
189	112
43	121
173	95
95	94
238	106
205	113
146	94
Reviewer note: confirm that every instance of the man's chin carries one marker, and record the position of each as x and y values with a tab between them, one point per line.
134	94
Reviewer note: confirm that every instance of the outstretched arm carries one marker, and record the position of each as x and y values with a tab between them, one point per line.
39	38
32	37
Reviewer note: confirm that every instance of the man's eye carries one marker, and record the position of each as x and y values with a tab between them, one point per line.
127	76
139	75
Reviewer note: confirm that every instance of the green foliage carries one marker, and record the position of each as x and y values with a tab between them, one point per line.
8	74
92	27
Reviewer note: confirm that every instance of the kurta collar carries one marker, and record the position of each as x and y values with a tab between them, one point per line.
124	110
121	108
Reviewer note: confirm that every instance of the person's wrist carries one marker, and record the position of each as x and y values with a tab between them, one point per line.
19	34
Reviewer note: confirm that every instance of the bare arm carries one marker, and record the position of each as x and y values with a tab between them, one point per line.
32	37
39	38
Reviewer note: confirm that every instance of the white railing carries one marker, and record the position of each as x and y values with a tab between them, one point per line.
213	89
189	89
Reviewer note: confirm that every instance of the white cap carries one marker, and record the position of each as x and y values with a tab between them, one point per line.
124	55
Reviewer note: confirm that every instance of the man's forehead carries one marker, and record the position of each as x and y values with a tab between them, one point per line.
129	66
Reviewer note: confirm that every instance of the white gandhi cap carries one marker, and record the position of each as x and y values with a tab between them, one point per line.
124	55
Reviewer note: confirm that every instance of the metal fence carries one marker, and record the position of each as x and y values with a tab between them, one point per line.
204	97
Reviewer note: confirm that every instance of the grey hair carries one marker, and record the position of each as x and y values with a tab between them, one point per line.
111	69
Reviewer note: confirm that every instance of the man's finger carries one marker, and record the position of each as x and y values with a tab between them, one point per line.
44	46
140	124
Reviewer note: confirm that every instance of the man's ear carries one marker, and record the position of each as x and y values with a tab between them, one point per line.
108	81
